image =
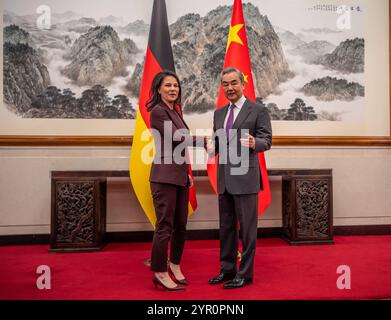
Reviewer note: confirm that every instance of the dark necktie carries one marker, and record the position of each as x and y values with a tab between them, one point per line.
230	120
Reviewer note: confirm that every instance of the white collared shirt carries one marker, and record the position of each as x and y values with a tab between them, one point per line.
239	104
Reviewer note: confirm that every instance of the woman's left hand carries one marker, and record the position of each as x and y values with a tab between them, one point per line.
191	181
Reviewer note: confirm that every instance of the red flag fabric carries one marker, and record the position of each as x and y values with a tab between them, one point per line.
237	56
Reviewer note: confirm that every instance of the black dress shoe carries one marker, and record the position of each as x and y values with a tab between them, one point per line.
237	283
222	277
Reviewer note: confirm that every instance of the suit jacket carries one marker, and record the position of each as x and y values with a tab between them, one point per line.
238	168
164	168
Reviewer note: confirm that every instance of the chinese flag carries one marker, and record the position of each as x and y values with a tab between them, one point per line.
237	56
158	58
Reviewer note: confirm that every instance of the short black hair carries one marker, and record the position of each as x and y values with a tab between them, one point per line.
232	69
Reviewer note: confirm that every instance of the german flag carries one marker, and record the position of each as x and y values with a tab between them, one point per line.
237	56
158	57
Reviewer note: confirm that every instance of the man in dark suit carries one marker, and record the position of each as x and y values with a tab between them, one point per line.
241	130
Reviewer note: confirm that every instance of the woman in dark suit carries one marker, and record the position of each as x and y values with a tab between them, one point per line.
169	179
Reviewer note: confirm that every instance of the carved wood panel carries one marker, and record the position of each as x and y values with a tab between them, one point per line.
312	205
286	208
75	212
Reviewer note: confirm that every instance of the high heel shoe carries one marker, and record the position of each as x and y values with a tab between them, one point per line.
183	282
157	282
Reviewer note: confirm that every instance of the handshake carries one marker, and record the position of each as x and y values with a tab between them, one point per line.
209	145
248	141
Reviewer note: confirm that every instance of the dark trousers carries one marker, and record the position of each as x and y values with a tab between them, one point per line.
171	208
234	209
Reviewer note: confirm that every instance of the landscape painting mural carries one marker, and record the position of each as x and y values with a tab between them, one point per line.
307	58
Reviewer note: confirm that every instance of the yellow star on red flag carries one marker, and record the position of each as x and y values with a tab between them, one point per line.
233	35
245	77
